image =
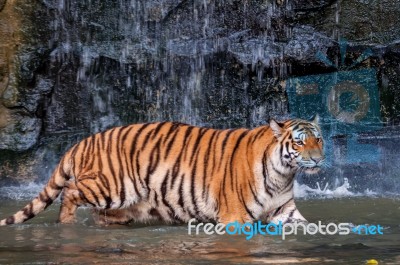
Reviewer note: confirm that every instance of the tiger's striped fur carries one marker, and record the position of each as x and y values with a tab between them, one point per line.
176	172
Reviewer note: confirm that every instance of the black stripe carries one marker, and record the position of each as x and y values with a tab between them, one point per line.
181	198
158	129
28	211
103	139
130	173
195	149
277	170
53	185
181	201
238	141
219	200
128	162
154	161
241	198
91	156
127	133
122	190
176	168
104	181
109	140
10	220
223	146
155	198
287	147
104	195
175	171
138	171
215	150
93	195
254	195
296	127
133	180
185	147
172	140
227	166
135	139
44	197
146	140
205	160
192	187
121	172
266	173
111	167
292	213
163	196
85	153
82	156
99	162
225	197
278	210
73	150
287	187
172	128
259	134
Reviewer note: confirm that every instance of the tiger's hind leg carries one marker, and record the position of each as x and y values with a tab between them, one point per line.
84	190
112	216
140	212
70	202
88	189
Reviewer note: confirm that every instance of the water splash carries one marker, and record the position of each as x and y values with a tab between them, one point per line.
21	192
304	191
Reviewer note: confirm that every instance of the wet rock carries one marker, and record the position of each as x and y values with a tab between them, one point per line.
21	134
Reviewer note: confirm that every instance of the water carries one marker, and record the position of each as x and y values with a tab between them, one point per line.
43	241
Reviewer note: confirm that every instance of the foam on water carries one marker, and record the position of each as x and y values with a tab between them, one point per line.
24	192
305	191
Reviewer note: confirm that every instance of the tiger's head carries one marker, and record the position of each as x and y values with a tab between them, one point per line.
301	144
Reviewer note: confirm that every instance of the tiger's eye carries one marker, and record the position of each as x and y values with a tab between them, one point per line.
299	143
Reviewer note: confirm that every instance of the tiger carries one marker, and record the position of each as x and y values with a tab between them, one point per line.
174	172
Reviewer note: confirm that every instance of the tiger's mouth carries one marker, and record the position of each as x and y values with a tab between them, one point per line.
310	167
311	163
312	170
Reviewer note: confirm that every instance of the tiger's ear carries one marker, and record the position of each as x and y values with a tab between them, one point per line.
315	119
276	128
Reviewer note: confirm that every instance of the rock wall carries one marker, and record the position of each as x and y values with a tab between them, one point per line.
71	68
22	90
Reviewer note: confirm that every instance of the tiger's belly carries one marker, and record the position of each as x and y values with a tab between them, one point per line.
145	212
174	206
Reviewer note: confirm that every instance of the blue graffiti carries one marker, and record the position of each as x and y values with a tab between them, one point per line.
347	100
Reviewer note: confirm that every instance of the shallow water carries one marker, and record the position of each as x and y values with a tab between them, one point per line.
41	240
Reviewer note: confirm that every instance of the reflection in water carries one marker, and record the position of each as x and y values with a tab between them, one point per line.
42	240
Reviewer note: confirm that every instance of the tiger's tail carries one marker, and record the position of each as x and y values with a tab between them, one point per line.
45	198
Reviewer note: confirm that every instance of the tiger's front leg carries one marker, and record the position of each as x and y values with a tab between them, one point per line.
287	213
